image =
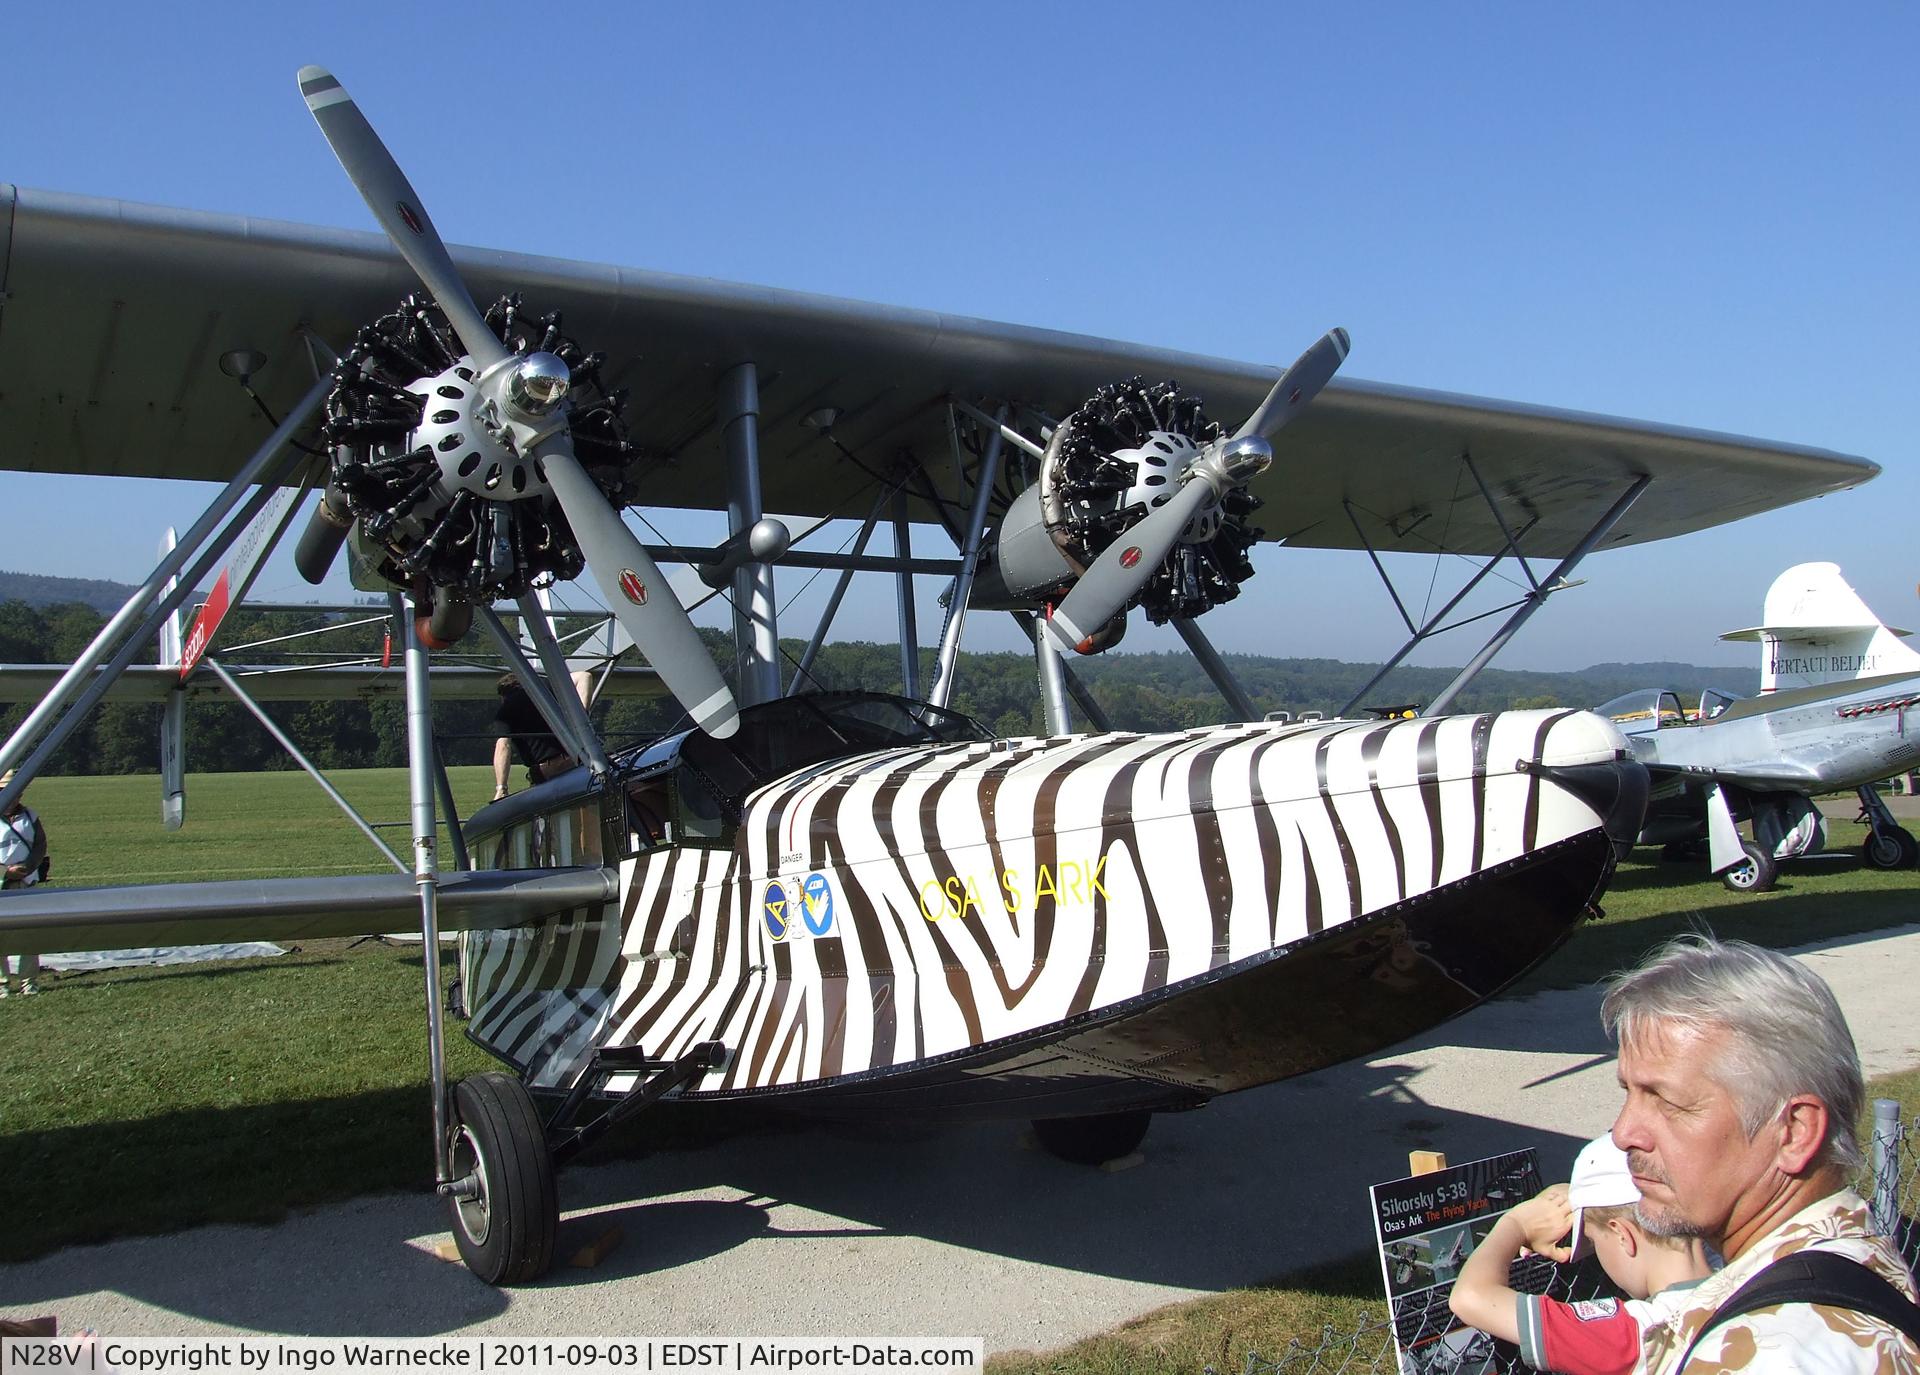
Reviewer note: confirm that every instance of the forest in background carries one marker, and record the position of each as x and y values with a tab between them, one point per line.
1139	692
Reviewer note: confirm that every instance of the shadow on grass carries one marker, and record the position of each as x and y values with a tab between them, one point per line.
257	1163
237	1164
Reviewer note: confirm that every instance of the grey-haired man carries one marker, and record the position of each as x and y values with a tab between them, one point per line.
1743	1087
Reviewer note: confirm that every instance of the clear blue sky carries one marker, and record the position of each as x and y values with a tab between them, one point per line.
1702	215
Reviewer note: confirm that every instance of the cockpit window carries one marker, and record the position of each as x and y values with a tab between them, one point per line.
1644	710
710	778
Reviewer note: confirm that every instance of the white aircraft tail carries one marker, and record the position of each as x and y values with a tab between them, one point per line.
1817	630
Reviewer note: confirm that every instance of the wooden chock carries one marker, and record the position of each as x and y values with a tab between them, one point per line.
596	1250
1426	1162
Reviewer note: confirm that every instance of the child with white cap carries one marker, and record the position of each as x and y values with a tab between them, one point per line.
1597	1336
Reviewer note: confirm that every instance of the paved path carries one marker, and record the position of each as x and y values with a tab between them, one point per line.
818	1232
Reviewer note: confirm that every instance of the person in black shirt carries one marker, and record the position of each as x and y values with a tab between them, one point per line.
524	731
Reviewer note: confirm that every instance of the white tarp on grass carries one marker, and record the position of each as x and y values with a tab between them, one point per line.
160	954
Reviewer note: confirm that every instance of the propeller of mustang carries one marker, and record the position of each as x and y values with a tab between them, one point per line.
1113	580
520	402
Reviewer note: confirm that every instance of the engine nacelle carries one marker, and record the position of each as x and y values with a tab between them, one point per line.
1116	458
442	490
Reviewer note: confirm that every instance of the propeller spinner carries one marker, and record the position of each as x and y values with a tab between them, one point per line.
491	440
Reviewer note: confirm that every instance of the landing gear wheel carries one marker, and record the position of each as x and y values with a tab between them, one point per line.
1894	849
1754	874
505	1231
1092	1140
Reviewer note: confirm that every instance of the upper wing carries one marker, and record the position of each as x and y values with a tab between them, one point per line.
113	317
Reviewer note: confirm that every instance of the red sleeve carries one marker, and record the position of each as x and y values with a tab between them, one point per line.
1594	1337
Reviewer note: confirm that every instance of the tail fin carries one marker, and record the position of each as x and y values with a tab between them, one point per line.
1818	630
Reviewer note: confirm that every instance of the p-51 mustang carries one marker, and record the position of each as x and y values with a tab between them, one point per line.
850	903
1837	689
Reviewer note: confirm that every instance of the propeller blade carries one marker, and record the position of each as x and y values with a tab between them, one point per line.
397	207
1298	385
642	603
1113	579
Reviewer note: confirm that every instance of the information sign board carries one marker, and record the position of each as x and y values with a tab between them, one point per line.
1427	1225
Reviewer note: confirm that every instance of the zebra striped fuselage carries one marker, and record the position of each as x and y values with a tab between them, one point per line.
975	924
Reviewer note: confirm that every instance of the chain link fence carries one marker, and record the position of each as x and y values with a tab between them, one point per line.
1891	1186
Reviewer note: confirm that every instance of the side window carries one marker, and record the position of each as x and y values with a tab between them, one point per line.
648	807
697	815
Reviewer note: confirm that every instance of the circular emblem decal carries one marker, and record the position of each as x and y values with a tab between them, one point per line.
632	588
1130	556
816	903
410	216
774	909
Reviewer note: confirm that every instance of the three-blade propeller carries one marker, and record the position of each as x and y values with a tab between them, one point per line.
628	578
1114	579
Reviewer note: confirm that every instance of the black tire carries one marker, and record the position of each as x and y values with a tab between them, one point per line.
1894	849
1092	1140
1754	874
505	1233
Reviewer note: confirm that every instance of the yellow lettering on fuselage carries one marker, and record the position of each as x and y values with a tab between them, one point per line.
1068	883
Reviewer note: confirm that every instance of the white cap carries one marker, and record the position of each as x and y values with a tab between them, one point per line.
1601	1179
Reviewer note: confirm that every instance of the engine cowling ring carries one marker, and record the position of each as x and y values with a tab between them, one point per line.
1119	455
443	491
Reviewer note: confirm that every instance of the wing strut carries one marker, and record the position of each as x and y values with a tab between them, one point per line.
1030	624
127	633
1537	598
285	742
1532	600
422	758
1216	668
987	475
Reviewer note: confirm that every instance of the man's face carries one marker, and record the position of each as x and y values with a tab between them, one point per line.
1697	1171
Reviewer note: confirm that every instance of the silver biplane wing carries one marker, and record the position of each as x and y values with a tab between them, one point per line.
112	315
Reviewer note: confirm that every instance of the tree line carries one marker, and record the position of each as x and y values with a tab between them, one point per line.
1139	692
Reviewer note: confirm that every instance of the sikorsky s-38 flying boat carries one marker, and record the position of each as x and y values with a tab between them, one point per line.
847	903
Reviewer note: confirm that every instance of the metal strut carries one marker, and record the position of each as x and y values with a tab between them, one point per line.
422	759
962	591
123	637
564	1140
1538	591
1538	597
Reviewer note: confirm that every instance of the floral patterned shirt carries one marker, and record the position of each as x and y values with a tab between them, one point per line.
1802	1337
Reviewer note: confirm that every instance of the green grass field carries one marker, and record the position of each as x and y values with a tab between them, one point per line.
146	1100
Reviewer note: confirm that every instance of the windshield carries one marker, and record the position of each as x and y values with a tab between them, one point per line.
1643	710
777	738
